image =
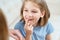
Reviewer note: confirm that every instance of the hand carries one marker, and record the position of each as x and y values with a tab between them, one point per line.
28	28
15	34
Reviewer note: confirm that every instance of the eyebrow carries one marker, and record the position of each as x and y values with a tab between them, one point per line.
32	9
25	8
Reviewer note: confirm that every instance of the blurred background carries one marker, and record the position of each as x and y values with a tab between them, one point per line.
11	9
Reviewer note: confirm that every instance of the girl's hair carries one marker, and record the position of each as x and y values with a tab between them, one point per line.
3	27
43	7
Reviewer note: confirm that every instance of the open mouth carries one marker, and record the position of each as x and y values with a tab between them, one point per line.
30	20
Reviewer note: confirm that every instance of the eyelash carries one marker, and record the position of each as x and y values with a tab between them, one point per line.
25	10
34	11
31	11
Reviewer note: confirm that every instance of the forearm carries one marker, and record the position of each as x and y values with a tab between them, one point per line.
48	37
29	30
28	37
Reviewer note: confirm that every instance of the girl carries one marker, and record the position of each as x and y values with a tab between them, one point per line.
34	24
3	27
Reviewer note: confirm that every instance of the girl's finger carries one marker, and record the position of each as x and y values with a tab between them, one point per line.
31	27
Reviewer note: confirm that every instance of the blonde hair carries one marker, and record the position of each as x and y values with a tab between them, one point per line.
43	7
3	27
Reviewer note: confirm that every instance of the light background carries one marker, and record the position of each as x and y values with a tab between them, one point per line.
11	10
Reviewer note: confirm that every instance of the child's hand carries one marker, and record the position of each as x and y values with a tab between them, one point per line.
28	28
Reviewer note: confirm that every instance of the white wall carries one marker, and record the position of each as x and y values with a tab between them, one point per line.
11	9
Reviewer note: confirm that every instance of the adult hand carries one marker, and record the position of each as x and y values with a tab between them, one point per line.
15	34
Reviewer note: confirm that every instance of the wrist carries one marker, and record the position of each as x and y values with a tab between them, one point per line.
29	33
28	37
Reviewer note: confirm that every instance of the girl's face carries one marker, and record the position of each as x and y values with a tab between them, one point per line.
31	12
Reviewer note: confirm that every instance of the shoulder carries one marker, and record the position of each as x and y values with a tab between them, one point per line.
49	24
20	24
20	27
49	27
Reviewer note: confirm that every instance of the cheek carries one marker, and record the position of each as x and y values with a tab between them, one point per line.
37	17
24	15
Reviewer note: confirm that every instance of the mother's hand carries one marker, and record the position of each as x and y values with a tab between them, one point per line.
15	34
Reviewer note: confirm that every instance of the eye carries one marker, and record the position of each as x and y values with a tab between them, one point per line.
26	10
34	11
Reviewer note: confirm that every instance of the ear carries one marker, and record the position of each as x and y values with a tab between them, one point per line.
42	13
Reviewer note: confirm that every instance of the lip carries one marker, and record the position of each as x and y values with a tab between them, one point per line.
30	19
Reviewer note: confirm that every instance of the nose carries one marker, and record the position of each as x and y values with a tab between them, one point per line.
30	14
